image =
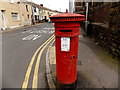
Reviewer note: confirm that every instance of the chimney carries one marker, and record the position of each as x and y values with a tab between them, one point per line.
41	5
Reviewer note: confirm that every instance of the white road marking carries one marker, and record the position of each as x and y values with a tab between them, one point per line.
48	28
27	31
51	32
45	31
36	37
31	37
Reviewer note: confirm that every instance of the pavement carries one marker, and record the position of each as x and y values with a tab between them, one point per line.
96	68
18	28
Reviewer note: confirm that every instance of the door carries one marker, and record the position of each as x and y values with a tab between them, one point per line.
4	22
45	18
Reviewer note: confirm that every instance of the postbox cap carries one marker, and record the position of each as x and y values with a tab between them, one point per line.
67	17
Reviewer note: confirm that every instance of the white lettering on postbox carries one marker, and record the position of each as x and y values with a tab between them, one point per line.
65	43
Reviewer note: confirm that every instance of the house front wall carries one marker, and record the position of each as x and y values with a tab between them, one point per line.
37	11
35	17
45	14
41	14
11	10
53	13
26	15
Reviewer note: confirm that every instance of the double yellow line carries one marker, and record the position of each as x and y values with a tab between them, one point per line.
35	77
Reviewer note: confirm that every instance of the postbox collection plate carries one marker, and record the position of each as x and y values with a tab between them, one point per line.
65	43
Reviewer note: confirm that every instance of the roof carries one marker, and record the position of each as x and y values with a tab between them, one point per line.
39	7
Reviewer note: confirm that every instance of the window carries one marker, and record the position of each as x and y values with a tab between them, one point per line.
3	12
34	9
35	17
42	17
28	16
27	7
15	17
40	11
11	1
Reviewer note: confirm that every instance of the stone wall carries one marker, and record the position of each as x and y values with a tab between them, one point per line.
104	27
108	39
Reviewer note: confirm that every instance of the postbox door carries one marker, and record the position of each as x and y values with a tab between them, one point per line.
67	60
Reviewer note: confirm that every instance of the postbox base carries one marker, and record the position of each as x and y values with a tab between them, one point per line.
61	86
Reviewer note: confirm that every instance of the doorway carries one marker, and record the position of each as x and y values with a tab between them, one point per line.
4	22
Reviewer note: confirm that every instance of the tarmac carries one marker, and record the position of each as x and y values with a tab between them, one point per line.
96	68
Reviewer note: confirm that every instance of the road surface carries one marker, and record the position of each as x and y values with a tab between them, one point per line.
20	56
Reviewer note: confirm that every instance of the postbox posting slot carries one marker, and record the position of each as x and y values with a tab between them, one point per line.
65	30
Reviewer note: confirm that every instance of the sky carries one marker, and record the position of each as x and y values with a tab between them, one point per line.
59	5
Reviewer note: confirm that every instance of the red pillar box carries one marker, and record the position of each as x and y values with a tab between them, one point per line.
67	26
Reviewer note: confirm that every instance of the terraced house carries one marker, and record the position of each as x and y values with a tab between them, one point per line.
14	13
41	13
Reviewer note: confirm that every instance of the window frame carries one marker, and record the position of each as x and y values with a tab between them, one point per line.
12	1
27	8
13	17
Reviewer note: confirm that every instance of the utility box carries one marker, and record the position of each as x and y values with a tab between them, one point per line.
67	26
